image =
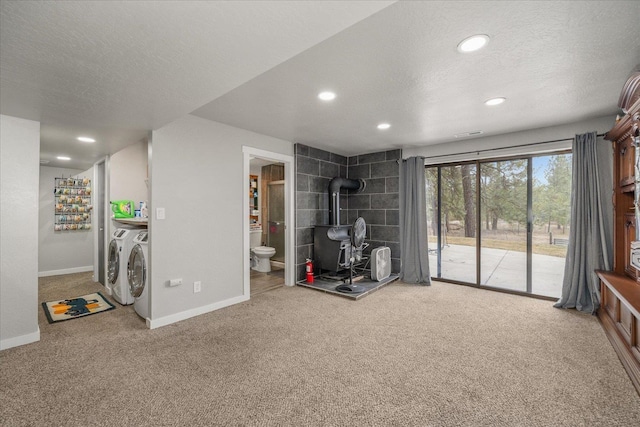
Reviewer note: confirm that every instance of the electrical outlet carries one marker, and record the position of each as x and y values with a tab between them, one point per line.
197	286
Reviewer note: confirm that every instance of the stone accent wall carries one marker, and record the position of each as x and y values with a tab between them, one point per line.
314	169
379	203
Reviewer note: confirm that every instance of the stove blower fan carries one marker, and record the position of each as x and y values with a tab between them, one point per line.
358	233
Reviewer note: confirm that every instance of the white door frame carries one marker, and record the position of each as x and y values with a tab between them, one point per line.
289	209
95	225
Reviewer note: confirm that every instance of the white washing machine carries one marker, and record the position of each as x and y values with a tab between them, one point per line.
138	273
119	249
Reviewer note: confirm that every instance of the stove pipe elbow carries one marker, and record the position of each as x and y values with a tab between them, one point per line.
356	185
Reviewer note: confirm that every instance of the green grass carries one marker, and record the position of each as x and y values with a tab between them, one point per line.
508	245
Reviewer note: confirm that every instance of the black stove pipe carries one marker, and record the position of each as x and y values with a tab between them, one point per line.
334	195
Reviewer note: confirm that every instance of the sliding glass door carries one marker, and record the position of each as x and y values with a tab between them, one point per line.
432	177
452	221
551	222
501	224
458	222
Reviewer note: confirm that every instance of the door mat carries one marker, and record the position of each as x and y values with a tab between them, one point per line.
68	309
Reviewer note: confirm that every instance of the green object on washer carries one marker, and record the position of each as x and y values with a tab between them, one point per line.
123	208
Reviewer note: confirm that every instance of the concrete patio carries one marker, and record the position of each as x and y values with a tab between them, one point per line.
501	268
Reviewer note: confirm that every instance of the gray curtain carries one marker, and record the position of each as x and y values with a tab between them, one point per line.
590	237
413	223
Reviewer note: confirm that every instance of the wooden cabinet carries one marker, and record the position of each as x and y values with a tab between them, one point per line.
268	174
623	136
254	210
620	289
627	152
636	347
629	236
626	323
620	316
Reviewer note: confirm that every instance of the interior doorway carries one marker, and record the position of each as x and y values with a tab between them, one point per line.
269	223
100	236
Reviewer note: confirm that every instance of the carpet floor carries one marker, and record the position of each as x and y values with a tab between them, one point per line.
406	355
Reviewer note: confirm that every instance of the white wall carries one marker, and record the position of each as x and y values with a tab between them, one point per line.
507	144
61	252
127	174
19	168
197	177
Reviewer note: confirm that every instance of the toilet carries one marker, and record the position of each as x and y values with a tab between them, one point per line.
260	255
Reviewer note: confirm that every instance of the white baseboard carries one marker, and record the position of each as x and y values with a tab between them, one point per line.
21	340
65	271
183	315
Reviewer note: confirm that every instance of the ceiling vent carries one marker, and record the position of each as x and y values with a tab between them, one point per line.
468	134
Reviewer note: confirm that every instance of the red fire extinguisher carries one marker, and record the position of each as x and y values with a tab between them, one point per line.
309	266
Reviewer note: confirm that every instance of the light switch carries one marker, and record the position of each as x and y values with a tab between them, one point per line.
160	213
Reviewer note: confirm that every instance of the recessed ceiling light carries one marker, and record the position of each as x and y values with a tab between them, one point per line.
384	126
473	43
494	101
327	96
63	158
85	139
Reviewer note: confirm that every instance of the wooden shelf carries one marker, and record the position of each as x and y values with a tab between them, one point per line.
253	199
624	288
140	222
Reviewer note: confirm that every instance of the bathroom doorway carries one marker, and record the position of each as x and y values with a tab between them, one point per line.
267	225
269	207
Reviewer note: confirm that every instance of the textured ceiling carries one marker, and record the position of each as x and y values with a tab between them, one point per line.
555	62
116	70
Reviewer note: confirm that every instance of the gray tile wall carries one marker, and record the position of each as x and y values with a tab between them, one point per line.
314	169
379	203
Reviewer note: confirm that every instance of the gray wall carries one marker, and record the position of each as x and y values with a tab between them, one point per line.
197	175
509	144
19	170
127	174
378	204
314	169
61	252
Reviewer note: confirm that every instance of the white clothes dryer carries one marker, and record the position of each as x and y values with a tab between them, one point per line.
138	274
119	249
